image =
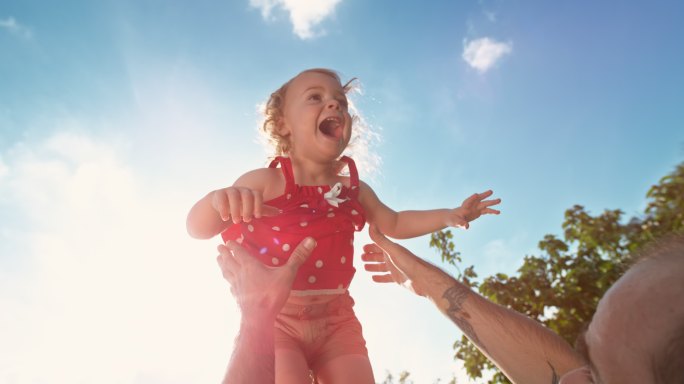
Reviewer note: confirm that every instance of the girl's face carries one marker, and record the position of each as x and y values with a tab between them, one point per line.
316	119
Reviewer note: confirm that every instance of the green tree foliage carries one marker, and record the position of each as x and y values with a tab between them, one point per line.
562	285
403	378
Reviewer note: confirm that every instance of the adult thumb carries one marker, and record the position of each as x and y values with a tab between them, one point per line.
301	253
400	256
378	238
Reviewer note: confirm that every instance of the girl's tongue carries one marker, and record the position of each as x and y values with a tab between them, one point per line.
331	127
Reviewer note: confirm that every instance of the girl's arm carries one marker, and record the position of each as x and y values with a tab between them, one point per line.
407	224
242	201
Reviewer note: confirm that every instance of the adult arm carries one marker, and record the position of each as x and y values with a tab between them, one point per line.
523	349
261	292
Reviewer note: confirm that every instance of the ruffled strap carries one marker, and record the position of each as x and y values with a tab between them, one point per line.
286	167
353	176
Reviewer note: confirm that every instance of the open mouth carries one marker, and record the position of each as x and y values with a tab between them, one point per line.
331	127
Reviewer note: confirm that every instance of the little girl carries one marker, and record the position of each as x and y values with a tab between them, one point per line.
270	210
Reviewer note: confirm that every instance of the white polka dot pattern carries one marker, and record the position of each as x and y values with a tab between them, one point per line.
308	211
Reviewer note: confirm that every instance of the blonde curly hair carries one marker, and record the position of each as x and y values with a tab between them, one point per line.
273	110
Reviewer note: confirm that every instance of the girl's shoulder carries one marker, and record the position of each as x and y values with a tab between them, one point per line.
268	181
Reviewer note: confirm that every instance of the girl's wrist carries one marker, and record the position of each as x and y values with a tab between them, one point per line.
455	218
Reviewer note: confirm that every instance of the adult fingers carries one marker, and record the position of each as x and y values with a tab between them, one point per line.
239	255
401	257
226	256
383	278
301	253
372	248
379	267
384	243
373	257
378	238
227	264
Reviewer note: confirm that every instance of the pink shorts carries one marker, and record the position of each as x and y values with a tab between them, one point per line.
321	332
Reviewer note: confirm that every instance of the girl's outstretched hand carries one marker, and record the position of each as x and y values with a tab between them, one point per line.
472	208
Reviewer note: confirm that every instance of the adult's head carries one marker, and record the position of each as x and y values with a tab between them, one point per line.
637	332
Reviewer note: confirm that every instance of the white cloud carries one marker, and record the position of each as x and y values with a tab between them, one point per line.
483	53
304	14
15	28
491	16
99	281
4	169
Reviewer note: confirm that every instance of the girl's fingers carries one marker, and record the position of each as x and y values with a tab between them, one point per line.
269	210
235	204
471	200
247	199
489	203
258	204
491	211
220	203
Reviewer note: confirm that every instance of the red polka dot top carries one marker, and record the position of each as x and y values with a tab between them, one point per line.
329	214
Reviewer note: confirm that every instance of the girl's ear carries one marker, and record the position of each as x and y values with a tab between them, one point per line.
281	128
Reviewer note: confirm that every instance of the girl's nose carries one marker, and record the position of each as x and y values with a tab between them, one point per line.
333	104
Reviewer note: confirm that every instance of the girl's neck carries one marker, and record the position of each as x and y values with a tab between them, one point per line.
311	172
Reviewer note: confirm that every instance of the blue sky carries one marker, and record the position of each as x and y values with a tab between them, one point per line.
116	116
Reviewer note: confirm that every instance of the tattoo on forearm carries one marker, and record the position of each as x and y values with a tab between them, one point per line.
456	296
554	375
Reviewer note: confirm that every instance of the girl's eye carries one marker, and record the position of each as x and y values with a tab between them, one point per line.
315	97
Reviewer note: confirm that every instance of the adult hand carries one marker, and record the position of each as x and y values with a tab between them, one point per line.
260	290
394	263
